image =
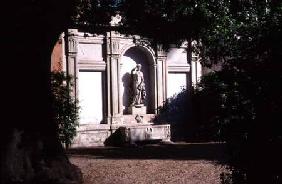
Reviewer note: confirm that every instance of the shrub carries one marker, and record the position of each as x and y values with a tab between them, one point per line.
65	107
174	112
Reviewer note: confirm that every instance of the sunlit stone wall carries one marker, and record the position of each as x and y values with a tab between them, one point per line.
90	97
178	71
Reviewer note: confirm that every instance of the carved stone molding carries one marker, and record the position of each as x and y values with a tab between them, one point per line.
115	48
179	68
141	42
160	51
72	32
72	44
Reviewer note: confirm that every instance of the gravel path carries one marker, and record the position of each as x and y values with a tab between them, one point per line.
150	165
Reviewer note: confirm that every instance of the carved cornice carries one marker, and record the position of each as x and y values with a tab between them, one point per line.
72	32
89	65
160	51
179	68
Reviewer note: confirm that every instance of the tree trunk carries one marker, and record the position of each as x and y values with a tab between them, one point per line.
30	149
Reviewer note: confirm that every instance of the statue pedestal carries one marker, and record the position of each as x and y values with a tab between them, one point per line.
137	109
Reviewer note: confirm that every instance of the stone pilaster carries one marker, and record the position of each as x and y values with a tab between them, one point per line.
161	75
120	94
108	73
155	87
71	63
189	61
113	56
114	85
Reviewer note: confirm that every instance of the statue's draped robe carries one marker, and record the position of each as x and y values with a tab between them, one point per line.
138	87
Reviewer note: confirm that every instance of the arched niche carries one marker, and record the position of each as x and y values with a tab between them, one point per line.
132	56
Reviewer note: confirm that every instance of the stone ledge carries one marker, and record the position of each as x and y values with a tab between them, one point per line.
93	127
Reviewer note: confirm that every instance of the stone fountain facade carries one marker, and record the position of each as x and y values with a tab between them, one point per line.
102	66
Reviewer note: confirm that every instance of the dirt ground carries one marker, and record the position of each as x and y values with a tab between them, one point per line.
180	163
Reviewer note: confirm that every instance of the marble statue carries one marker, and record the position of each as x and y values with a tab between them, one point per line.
138	86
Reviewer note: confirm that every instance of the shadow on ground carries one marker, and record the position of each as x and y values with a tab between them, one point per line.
175	151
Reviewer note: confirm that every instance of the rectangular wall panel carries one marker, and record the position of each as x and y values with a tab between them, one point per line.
90	97
175	83
87	51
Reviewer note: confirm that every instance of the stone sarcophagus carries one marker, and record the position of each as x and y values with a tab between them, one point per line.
146	132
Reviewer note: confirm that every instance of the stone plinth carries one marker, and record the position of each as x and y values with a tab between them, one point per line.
137	109
130	119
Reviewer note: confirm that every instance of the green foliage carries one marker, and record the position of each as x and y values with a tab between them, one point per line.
174	108
94	15
247	43
65	107
165	21
222	99
247	119
176	111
